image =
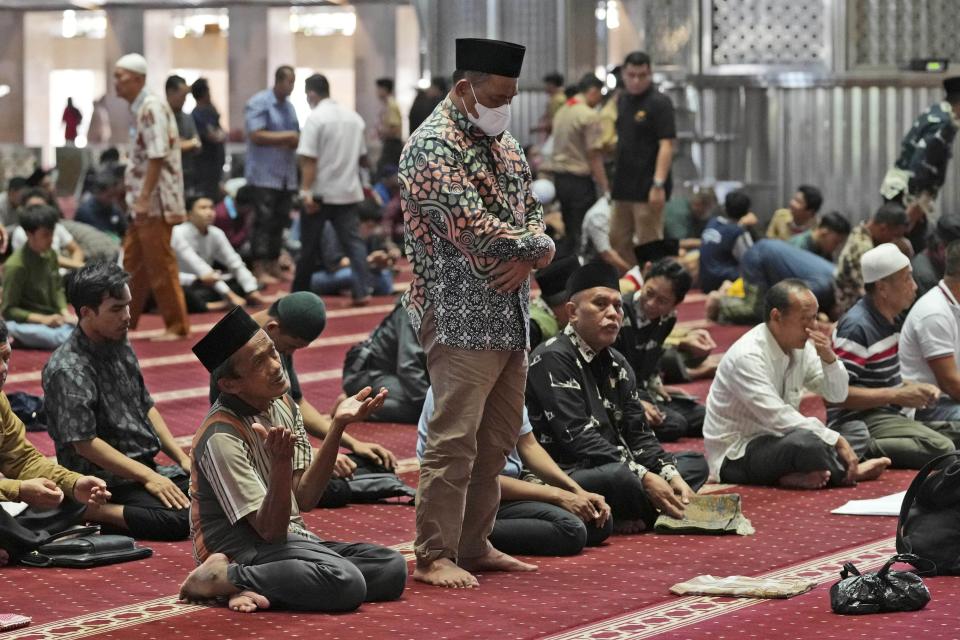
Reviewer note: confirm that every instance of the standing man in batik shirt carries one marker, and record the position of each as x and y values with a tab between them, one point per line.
474	232
154	183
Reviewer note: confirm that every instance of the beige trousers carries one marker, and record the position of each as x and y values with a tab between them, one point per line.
476	423
629	219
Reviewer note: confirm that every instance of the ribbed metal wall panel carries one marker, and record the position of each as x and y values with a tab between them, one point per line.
842	139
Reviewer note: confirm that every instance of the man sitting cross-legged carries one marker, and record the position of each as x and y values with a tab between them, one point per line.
27	476
543	511
292	323
754	432
880	400
253	467
102	418
586	412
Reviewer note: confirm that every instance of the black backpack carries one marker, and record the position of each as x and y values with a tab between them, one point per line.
929	525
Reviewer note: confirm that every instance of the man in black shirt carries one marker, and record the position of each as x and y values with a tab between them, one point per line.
645	133
585	410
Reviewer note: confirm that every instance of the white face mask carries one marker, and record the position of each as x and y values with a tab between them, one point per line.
492	122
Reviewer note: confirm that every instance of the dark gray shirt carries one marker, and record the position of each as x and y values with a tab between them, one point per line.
97	391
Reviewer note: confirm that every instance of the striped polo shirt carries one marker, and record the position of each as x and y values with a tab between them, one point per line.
231	471
868	345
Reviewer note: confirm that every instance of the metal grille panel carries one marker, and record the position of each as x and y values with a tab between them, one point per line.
532	23
667	29
778	32
891	32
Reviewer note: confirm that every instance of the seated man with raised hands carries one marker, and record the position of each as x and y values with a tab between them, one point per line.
753	431
586	411
254	470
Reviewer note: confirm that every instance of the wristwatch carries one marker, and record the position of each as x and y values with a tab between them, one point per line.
659	184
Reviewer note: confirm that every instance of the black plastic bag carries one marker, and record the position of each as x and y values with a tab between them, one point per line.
882	592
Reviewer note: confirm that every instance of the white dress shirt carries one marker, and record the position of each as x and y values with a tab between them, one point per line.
931	331
757	391
333	135
196	253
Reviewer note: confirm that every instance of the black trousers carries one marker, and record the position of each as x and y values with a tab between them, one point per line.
345	219
683	418
270	218
532	528
338	494
397	407
576	194
198	295
310	575
146	517
769	458
624	492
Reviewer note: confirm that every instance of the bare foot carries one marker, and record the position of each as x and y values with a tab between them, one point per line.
627	527
216	305
208	581
248	602
495	560
442	572
805	480
872	469
167	336
4	557
712	308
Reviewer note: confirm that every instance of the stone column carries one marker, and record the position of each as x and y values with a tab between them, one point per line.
247	60
12	70
375	56
124	35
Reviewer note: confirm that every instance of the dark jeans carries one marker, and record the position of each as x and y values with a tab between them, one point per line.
624	492
576	194
346	224
683	418
532	528
271	217
338	494
146	517
769	261
769	458
309	575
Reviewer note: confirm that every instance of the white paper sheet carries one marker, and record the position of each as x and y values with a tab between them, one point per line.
14	508
883	506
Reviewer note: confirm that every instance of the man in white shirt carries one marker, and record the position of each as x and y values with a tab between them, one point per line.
199	245
753	431
332	151
930	342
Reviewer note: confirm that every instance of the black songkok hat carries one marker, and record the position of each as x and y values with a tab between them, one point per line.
490	56
653	251
225	338
35	178
593	274
552	279
952	85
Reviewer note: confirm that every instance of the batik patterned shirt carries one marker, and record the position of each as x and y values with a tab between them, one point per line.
848	278
468	207
155	137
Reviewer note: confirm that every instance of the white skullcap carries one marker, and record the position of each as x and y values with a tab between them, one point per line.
133	62
882	261
544	190
233	185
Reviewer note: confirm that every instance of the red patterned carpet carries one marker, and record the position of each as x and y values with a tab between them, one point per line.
617	591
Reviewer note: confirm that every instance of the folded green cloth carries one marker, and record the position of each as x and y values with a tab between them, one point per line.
715	514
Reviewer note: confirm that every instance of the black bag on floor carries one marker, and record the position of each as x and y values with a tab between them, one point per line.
374	487
885	591
86	551
929	524
55	539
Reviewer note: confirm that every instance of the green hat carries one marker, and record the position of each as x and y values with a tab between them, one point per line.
301	315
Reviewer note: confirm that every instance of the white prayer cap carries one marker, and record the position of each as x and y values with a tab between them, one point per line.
544	190
133	62
882	261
